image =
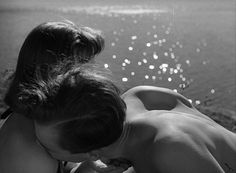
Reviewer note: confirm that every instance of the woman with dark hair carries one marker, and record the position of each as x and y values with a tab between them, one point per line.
46	45
80	115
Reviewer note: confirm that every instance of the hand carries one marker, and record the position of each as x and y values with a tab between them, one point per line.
97	167
100	167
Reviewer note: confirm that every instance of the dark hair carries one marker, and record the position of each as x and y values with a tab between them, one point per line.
83	104
46	45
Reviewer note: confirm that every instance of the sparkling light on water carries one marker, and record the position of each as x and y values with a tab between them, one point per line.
197	102
131	48
123	64
163	66
106	65
182	86
212	91
124	79
164	70
148	44
172	55
151	67
127	61
134	37
155	56
187	62
155	42
146	77
178	66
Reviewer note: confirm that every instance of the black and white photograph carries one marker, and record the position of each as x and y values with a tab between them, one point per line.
117	86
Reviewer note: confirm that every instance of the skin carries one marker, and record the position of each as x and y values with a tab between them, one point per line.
18	148
164	133
19	144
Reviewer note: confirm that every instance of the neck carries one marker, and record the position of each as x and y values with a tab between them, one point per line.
121	148
123	140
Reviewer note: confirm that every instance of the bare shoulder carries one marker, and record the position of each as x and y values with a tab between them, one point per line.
156	98
27	159
143	88
178	152
34	164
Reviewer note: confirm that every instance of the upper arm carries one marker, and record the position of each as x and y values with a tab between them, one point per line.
41	166
31	166
157	98
185	157
23	162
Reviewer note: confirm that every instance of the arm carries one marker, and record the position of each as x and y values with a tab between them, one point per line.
156	98
34	165
98	167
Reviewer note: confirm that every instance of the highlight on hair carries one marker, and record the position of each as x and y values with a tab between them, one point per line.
82	103
46	45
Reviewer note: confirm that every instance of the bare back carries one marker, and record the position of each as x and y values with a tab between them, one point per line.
181	138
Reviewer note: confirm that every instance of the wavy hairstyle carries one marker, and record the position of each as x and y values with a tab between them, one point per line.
46	45
83	104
